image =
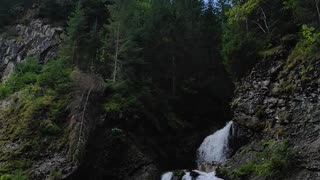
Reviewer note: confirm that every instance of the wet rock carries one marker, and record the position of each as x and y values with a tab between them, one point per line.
194	174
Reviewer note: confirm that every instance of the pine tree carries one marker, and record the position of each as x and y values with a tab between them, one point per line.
122	33
75	29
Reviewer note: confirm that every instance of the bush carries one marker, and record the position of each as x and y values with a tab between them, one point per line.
36	110
18	176
52	75
56	175
25	74
275	162
49	128
121	100
240	52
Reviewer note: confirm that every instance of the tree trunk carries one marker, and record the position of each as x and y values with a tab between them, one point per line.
318	10
247	27
173	76
83	115
115	71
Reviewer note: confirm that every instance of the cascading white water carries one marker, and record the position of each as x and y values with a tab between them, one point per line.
167	176
214	147
213	150
202	176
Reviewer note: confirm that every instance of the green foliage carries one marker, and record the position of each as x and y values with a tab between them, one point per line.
303	12
116	132
275	161
25	74
56	175
55	75
179	174
37	98
75	28
49	128
240	51
13	166
253	32
121	101
240	12
261	112
284	117
302	56
284	89
17	176
311	35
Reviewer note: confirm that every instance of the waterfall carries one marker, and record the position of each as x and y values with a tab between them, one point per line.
215	147
213	150
167	176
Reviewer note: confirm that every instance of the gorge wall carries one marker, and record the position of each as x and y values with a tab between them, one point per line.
279	101
86	142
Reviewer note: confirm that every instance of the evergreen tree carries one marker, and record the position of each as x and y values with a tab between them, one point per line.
120	50
76	25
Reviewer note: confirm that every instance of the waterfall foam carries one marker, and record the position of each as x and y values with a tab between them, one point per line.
167	176
213	150
215	147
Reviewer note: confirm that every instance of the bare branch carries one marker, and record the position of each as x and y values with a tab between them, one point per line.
260	26
265	19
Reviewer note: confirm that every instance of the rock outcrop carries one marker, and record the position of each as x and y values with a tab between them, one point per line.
280	100
36	39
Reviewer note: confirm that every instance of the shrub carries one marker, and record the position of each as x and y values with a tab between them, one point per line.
25	74
17	176
56	175
274	162
49	128
35	111
121	100
261	112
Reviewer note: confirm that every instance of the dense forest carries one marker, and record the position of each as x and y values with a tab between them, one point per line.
137	78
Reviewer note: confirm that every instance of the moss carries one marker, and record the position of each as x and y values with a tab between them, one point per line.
25	74
261	112
55	175
284	117
49	128
245	170
12	166
275	162
37	101
222	172
301	58
235	101
179	174
284	89
271	52
17	176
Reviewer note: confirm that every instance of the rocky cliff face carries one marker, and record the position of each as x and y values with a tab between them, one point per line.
86	132
23	145
279	100
35	39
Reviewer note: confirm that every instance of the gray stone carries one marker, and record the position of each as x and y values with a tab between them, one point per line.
34	40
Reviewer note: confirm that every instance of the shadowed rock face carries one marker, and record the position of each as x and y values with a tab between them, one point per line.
149	148
33	40
276	102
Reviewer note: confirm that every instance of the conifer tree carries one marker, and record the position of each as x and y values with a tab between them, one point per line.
76	26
